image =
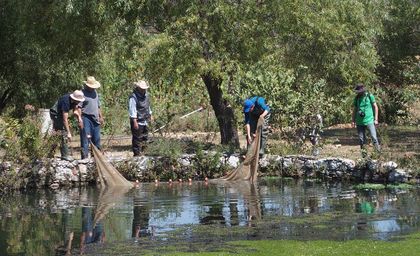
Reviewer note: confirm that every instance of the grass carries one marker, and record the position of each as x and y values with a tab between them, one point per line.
375	186
407	245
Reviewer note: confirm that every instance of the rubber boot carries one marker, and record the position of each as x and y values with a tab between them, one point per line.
65	150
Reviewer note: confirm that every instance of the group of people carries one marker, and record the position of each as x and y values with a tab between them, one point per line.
86	107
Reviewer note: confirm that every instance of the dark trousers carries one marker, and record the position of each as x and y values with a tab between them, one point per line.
91	129
264	132
58	126
139	139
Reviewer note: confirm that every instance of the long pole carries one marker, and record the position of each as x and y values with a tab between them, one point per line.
182	117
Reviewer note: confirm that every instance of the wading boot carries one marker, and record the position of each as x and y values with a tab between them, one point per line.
65	150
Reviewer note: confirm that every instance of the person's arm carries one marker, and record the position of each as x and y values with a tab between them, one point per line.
248	134
101	117
66	124
264	113
375	107
353	117
77	111
353	113
263	105
150	112
132	111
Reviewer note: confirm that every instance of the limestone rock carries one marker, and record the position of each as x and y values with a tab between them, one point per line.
398	175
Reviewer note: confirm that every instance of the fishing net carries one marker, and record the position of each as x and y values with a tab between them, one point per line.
250	194
108	175
108	196
248	169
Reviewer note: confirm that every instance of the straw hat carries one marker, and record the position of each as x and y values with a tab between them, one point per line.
77	96
92	83
141	84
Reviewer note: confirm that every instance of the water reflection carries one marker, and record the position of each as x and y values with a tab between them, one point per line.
78	221
92	222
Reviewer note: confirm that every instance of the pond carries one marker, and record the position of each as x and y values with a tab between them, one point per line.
200	216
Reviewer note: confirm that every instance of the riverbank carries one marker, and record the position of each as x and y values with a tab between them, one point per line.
56	173
195	156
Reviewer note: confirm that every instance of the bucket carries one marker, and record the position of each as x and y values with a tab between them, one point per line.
46	123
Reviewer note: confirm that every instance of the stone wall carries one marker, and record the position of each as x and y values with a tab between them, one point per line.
56	173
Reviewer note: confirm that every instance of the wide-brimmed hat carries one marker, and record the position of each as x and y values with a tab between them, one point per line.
141	84
78	96
248	105
92	83
359	88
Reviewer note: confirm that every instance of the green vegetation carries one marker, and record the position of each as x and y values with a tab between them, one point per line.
374	186
407	246
369	186
303	56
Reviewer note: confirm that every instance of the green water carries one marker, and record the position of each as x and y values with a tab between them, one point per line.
201	217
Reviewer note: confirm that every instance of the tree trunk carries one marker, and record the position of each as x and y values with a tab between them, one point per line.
5	97
223	111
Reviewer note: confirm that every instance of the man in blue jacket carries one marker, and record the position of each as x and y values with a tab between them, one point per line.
254	108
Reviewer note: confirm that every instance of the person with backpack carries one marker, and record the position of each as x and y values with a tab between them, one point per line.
140	116
59	114
365	116
254	108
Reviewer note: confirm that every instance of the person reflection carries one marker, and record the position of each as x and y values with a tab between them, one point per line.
140	219
91	232
364	207
252	202
246	190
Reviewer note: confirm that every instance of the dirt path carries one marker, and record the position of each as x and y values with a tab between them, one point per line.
337	141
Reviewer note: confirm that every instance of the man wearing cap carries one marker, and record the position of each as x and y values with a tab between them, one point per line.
59	114
254	108
365	115
92	118
140	114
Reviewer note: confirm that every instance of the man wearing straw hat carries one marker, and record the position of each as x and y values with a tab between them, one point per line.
59	114
365	116
92	118
140	114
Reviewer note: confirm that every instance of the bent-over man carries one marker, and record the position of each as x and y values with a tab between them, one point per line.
59	114
254	108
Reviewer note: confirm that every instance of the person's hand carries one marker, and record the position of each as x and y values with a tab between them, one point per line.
136	125
376	122
101	120
353	124
152	119
69	136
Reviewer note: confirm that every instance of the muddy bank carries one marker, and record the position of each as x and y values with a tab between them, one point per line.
55	173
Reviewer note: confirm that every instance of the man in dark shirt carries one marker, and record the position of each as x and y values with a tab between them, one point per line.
59	114
254	108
